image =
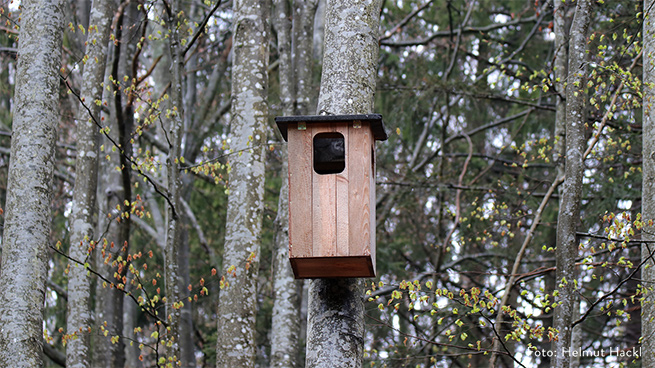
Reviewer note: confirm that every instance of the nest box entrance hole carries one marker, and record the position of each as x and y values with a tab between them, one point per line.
329	153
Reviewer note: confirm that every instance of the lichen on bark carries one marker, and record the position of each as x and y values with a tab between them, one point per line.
237	303
335	331
30	180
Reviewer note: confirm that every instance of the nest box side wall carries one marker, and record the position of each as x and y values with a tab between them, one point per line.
361	208
300	192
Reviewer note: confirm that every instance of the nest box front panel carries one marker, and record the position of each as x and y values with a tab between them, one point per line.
330	190
331	200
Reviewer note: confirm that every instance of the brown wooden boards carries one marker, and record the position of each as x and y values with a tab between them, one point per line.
300	193
332	194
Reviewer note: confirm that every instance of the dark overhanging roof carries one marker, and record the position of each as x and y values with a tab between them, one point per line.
377	125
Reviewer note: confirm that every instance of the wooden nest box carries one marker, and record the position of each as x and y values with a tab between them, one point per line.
332	193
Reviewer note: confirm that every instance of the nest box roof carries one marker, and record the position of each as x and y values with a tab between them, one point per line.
377	126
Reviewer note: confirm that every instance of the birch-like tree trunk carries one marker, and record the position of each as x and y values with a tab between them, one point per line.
186	333
237	305
30	182
174	117
83	220
648	185
295	75
560	72
569	212
304	13
335	331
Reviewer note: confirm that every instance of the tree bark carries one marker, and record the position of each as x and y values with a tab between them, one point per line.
304	13
114	189
174	118
560	71
29	189
83	220
569	212
335	332
648	185
295	48
238	303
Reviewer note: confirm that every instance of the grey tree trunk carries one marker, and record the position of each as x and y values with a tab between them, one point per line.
83	220
560	71
30	182
186	333
173	182
648	185
569	212
114	188
109	300
237	304
285	329
335	331
304	13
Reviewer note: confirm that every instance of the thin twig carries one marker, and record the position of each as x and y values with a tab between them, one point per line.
458	195
201	27
405	20
101	277
519	257
610	109
618	286
121	150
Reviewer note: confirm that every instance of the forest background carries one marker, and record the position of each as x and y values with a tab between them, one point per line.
500	113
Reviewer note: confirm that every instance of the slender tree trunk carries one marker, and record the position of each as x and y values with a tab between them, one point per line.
648	185
285	325
174	209
569	212
114	189
335	332
109	300
130	315
186	333
238	303
30	182
560	71
83	220
304	13
295	49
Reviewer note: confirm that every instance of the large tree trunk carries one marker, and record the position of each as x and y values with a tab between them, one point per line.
569	212
237	305
648	185
335	332
83	220
30	182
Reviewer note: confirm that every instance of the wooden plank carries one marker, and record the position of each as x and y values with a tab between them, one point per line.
332	267
324	205
359	162
342	199
372	250
300	192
